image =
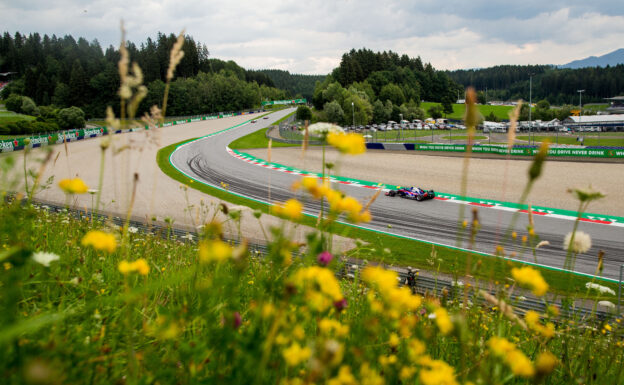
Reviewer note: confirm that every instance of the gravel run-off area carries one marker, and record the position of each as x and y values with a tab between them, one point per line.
157	195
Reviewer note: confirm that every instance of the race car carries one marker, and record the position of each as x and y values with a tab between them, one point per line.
411	193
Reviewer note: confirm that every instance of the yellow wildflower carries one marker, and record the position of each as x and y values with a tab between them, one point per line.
125	267
140	266
531	278
100	240
328	326
73	186
519	364
295	354
291	209
531	317
500	346
320	287
370	376
398	299
406	373
298	332
415	349
350	143
436	372
214	251
344	377
394	340
443	321
545	363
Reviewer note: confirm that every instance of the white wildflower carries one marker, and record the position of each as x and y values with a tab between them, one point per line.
431	316
608	304
74	281
45	258
133	230
580	244
600	288
188	236
323	129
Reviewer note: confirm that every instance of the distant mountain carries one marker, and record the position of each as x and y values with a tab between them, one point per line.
613	58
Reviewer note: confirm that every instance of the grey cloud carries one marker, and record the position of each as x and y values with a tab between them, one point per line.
305	36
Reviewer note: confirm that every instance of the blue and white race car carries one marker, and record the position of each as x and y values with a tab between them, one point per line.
415	193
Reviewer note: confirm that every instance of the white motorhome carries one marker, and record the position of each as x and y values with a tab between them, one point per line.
494	127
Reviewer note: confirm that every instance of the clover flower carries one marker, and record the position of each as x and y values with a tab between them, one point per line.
600	288
323	129
45	258
324	258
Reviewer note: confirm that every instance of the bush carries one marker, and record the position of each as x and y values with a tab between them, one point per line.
72	117
29	107
14	103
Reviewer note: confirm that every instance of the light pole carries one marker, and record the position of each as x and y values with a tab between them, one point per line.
353	110
530	108
580	108
401	125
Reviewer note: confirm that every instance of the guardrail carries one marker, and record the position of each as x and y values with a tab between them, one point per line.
587	152
17	144
286	134
351	267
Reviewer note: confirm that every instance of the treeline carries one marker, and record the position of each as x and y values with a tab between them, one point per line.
295	84
63	72
557	86
372	86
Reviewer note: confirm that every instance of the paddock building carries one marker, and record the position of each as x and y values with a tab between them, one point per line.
613	122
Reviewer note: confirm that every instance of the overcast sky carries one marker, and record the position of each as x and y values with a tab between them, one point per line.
309	36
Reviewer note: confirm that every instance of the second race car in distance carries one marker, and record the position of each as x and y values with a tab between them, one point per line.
415	193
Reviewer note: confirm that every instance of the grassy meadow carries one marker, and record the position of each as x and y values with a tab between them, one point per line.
459	110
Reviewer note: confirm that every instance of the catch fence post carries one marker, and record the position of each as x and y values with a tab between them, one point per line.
620	288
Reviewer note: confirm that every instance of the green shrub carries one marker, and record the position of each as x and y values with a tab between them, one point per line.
29	107
14	103
72	117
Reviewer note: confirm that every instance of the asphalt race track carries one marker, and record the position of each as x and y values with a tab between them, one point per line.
434	221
